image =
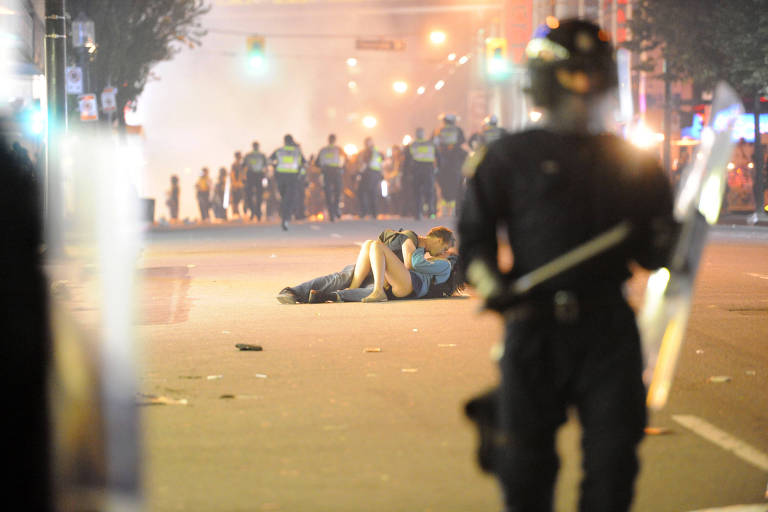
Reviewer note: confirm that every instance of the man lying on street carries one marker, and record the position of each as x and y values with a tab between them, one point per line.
409	249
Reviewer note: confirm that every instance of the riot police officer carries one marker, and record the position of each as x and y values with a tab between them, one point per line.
369	187
255	165
449	135
237	183
331	159
450	139
490	132
420	165
572	340
287	161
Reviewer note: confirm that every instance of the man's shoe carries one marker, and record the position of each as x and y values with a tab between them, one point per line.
284	226
287	296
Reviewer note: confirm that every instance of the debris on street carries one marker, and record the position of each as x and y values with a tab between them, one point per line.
248	347
144	399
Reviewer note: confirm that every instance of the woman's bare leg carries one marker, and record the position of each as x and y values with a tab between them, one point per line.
387	268
362	265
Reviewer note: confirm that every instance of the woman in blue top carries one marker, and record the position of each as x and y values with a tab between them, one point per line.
412	283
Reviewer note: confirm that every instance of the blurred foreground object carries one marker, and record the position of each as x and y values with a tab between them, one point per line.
96	427
26	350
576	205
668	296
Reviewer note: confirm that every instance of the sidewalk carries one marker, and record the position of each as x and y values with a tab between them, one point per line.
743	219
726	219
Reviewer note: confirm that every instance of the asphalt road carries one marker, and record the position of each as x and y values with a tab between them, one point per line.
314	422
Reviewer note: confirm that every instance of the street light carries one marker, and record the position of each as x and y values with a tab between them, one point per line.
451	57
400	86
439	85
369	121
350	149
437	37
351	62
83	32
421	90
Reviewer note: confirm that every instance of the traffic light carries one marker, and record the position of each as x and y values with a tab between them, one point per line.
33	119
255	52
496	58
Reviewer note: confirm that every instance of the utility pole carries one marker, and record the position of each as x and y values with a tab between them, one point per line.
757	160
667	148
55	63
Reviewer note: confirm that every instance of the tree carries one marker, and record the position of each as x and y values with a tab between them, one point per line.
133	36
707	41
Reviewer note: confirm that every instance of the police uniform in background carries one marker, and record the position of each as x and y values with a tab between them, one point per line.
491	132
237	182
449	140
203	190
255	164
421	164
331	161
288	162
369	187
573	340
218	195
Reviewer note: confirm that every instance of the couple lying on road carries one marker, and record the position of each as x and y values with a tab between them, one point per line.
397	265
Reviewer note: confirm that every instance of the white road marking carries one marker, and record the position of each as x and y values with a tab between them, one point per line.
737	508
759	276
725	441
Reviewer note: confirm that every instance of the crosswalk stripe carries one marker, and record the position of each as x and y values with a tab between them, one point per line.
724	440
737	508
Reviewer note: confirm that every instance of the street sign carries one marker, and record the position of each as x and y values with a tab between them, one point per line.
89	109
74	80
109	100
380	44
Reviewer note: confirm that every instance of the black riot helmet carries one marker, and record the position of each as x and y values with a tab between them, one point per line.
571	45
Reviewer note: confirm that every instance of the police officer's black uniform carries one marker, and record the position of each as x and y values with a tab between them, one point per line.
452	155
573	340
369	187
331	159
420	165
256	164
288	162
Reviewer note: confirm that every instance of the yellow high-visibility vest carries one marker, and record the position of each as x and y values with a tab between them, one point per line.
288	160
329	156
423	151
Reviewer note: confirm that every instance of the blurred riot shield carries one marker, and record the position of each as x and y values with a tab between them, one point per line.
664	316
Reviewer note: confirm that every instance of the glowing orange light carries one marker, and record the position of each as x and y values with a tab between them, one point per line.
552	22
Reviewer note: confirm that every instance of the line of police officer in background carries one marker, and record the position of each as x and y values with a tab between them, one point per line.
416	169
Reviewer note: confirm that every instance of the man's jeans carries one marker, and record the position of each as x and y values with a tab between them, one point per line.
336	282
